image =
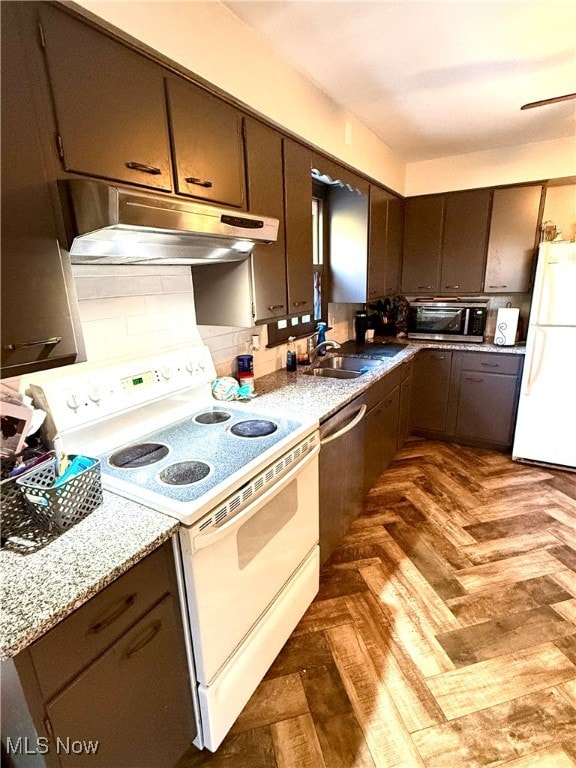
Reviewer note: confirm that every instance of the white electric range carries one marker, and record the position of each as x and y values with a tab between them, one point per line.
242	482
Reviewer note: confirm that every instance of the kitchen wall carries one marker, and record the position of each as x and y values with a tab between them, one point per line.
509	165
127	310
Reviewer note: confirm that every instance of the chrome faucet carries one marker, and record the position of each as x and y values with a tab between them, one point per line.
313	350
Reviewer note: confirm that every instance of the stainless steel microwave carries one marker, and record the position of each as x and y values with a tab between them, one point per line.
447	320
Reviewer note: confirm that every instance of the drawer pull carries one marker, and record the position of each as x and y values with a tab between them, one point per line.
451	286
491	365
427	287
272	307
23	344
146	639
497	286
114	616
151	169
198	182
299	303
471	378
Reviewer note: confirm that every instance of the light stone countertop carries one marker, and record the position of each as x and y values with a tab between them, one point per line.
320	397
41	588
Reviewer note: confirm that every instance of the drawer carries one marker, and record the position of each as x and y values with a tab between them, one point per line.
491	362
383	387
86	633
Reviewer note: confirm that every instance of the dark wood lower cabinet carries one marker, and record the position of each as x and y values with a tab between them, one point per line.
109	687
430	390
381	437
470	397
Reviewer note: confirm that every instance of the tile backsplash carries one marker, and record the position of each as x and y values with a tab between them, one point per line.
137	309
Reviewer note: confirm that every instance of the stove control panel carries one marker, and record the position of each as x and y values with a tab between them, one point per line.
78	395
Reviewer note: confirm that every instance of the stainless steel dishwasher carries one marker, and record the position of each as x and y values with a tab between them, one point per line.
341	473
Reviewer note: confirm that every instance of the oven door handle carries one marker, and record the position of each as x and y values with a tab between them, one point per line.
210	538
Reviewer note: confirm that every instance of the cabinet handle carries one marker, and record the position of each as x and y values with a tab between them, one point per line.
272	307
114	616
146	639
429	287
491	365
356	420
151	169
299	303
451	286
54	340
497	286
471	378
198	182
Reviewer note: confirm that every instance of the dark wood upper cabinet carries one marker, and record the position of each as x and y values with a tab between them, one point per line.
109	105
207	144
466	220
394	241
298	221
423	226
378	219
513	239
266	195
37	328
445	240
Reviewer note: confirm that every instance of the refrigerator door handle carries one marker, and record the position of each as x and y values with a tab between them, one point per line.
536	358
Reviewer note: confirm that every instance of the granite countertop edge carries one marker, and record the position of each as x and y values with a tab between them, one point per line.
40	589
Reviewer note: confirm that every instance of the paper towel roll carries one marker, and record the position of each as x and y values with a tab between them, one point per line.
506	325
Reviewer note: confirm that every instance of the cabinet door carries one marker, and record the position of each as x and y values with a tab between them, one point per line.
486	407
513	239
37	329
465	241
381	437
394	241
404	424
207	143
298	222
377	243
423	224
430	389
109	103
266	196
134	700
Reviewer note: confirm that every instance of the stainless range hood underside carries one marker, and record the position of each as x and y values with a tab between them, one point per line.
109	224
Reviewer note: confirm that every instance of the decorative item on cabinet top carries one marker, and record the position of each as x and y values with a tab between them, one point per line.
111	224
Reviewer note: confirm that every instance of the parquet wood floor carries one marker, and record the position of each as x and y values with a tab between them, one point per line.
444	632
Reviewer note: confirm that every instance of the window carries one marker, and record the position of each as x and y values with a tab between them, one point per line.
305	325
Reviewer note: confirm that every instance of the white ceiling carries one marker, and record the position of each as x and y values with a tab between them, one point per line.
432	79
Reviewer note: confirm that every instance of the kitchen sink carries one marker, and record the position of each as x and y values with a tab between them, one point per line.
341	367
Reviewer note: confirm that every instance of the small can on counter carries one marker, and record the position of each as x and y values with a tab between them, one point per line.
246	379
245	371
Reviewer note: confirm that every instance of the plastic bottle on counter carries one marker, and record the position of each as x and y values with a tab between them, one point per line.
291	354
321	329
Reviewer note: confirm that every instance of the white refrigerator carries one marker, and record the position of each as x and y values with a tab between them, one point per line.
546	423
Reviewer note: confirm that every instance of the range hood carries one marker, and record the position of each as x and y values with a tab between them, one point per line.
107	224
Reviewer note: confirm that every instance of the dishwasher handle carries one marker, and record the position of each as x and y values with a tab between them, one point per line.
211	537
351	424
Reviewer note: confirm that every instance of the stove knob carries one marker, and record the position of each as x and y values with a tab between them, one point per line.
94	395
72	401
190	367
201	365
166	373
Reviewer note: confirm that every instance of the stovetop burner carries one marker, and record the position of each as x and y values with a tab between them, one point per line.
139	455
185	473
216	416
254	428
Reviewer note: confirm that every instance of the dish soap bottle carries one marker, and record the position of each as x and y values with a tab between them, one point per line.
321	329
291	354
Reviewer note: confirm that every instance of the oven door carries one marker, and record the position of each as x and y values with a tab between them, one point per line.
235	569
427	321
